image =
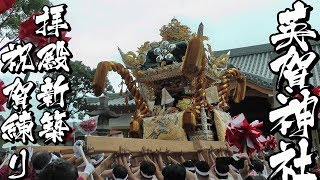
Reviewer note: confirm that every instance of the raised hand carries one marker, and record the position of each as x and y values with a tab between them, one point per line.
246	170
76	150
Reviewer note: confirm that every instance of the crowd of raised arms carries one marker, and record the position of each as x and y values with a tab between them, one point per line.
208	164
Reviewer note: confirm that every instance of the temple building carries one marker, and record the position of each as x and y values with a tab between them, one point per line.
253	62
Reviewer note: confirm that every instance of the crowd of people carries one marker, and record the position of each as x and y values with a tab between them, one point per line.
162	164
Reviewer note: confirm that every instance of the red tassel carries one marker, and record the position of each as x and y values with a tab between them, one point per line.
316	91
238	134
3	98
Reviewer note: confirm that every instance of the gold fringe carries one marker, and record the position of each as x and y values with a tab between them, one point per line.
136	128
99	79
189	120
99	85
224	87
200	88
240	91
192	62
221	121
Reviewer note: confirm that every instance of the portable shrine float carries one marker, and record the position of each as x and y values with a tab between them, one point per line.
181	89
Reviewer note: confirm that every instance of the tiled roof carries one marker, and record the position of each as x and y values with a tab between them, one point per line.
112	96
253	61
106	113
113	99
120	101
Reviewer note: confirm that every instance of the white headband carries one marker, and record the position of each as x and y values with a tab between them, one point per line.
146	176
202	173
220	174
120	178
190	168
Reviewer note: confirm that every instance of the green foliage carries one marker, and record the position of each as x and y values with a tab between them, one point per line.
81	84
22	9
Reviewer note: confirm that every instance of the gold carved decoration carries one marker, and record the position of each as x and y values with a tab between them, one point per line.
144	48
217	65
174	31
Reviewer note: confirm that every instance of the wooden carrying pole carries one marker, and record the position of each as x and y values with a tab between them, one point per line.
98	144
111	145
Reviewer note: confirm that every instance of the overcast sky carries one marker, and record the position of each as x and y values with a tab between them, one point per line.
99	26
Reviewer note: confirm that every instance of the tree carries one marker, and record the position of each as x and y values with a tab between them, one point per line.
22	9
81	84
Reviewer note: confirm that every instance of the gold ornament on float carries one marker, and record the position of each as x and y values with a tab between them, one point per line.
185	67
174	31
184	104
